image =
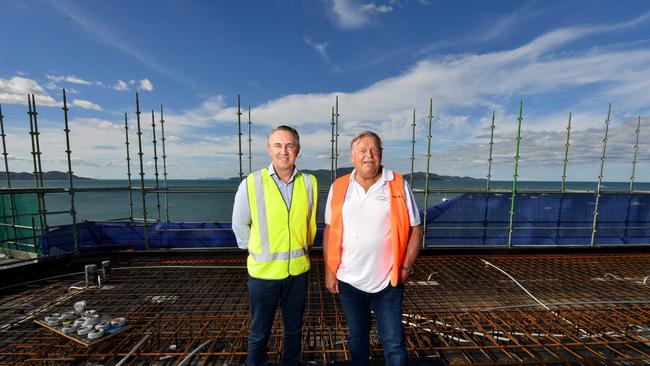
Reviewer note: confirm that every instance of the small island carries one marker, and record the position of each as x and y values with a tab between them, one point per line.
51	175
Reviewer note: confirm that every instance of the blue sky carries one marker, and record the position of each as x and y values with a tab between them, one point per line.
290	59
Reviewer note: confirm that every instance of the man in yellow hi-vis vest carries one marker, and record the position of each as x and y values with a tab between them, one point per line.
274	217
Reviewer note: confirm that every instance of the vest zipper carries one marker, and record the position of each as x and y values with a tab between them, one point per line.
288	218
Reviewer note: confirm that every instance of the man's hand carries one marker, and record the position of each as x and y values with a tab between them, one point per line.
405	275
331	282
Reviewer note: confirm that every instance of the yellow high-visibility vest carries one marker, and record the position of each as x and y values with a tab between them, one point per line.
280	237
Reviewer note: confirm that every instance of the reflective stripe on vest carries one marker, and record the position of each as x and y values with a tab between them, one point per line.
265	244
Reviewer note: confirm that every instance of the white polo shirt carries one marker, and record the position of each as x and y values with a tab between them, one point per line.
366	251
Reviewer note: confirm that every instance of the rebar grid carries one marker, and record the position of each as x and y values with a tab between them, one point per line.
497	309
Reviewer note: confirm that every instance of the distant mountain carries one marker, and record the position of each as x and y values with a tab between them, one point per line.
52	175
323	175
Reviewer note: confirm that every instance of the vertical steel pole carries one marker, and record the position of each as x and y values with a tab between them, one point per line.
71	191
155	163
34	240
566	153
36	180
332	140
488	180
241	171
636	150
164	156
489	174
12	203
600	178
31	135
38	174
336	142
514	177
426	175
250	143
128	167
144	193
413	148
38	144
631	191
567	144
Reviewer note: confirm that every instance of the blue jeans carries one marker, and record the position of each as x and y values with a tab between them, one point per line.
387	306
264	296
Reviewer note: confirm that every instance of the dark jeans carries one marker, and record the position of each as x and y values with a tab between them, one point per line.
387	306
264	295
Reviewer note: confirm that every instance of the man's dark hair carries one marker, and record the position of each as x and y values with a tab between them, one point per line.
291	130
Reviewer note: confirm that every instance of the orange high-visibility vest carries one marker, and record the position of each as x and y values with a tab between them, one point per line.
399	220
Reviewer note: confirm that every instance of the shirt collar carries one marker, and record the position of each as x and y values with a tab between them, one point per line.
272	172
386	175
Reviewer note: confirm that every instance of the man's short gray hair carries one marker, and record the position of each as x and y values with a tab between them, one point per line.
291	130
363	134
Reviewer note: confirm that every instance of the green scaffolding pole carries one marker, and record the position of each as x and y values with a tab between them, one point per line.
514	176
426	176
600	178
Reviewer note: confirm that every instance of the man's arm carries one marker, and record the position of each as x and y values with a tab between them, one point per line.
331	282
241	216
415	236
412	250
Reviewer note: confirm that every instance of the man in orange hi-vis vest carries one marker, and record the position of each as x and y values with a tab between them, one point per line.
372	237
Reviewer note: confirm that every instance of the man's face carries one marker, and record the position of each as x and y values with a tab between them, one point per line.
366	157
283	149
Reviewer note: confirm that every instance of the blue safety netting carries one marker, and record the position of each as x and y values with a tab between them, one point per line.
123	235
469	220
539	219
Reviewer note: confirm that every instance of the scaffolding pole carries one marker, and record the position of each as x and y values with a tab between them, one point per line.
489	174
250	143
332	139
128	167
631	190
142	190
514	176
155	162
71	191
600	178
241	170
636	150
12	203
426	175
36	156
164	156
413	148
566	153
336	140
488	180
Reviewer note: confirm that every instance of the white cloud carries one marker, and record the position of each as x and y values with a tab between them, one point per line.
121	86
373	9
352	14
146	85
319	47
15	90
70	79
85	104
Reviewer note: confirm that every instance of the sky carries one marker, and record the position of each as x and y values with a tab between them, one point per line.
289	60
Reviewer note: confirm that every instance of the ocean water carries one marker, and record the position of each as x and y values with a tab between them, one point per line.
217	206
